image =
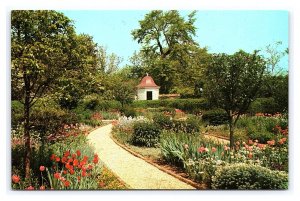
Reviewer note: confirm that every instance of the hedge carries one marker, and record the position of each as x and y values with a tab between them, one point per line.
215	117
188	105
263	105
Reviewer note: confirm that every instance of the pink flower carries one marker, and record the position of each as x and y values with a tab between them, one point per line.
282	140
250	155
15	178
201	149
30	188
226	148
271	142
250	148
261	146
42	168
213	149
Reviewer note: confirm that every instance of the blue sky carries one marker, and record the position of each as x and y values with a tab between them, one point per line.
220	31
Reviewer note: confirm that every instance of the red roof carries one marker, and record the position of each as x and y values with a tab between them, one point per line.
147	82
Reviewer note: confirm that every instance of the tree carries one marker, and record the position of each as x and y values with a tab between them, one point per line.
275	82
274	55
82	75
108	63
40	50
124	93
232	83
168	46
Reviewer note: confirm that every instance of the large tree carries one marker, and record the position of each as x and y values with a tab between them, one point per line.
41	44
232	83
82	75
168	46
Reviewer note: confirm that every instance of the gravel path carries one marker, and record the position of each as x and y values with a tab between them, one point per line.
134	171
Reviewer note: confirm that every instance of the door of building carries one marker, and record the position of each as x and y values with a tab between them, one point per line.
149	95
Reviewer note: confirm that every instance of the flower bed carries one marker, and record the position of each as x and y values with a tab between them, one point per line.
64	163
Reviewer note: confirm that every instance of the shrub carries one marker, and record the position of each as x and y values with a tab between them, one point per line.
248	177
145	134
187	105
49	119
162	121
191	125
95	102
128	111
105	105
109	115
190	105
259	127
262	137
263	105
215	117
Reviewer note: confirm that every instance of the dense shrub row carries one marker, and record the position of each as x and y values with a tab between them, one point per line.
189	125
215	117
264	105
187	105
94	102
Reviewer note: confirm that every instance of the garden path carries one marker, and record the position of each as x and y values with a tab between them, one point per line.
135	172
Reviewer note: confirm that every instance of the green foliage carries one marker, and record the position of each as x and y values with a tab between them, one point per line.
40	155
179	148
109	115
17	110
169	52
262	137
215	117
276	87
145	134
128	111
163	121
190	125
232	82
50	118
188	105
124	93
263	105
249	177
43	44
259	128
95	102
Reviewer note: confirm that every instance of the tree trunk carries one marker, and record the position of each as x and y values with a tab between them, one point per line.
231	131
27	127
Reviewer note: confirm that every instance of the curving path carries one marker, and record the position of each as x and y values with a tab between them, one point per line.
134	171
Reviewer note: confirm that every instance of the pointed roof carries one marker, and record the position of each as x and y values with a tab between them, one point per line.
147	82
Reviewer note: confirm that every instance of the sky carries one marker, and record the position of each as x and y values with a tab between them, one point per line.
219	31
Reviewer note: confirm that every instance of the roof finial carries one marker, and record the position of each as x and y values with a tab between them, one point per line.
147	74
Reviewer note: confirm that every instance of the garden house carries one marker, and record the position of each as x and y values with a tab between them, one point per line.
147	89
